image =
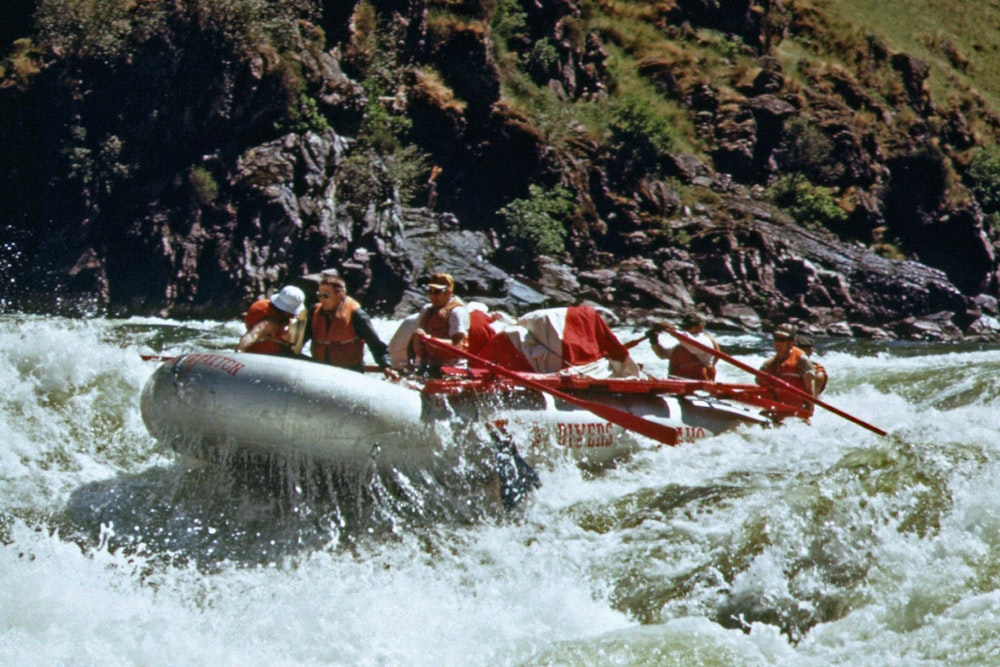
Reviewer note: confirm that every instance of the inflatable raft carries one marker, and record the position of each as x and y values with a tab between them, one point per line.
203	404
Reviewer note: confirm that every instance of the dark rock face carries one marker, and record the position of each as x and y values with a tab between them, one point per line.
167	185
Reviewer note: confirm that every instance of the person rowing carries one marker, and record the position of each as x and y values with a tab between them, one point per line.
687	361
446	319
790	364
267	322
339	329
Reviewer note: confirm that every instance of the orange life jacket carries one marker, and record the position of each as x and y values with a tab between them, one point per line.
788	368
821	377
334	340
434	321
788	371
686	364
261	310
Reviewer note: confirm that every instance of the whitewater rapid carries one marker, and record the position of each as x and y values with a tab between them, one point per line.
808	544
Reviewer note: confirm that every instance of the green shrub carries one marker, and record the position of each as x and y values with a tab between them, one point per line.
509	22
542	62
303	115
205	188
807	150
888	251
984	173
22	63
811	205
640	137
371	176
110	30
535	222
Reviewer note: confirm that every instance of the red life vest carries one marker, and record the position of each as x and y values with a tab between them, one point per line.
261	310
686	364
788	371
334	340
434	321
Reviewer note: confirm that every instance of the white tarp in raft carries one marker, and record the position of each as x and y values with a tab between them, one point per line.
574	339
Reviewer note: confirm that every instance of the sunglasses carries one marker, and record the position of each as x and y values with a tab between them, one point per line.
437	290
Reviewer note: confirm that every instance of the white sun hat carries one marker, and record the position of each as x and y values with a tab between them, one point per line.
289	300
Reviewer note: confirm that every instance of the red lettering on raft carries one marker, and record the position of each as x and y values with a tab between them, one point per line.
590	434
224	364
690	433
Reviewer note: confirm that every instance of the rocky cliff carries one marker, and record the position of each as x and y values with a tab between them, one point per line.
190	159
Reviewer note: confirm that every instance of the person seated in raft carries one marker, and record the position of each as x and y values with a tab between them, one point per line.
687	361
805	343
446	319
792	365
338	329
267	322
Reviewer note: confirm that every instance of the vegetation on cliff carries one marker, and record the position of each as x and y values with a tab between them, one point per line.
255	140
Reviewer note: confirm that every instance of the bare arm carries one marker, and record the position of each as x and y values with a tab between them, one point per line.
808	374
263	330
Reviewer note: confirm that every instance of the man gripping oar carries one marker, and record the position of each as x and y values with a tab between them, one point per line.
772	380
790	363
661	433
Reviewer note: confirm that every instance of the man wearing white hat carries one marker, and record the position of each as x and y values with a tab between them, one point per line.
267	322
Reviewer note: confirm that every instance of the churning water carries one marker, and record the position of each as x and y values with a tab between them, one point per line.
807	544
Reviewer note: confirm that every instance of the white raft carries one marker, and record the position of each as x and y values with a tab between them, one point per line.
200	404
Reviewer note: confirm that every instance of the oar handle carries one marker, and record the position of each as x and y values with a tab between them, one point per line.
666	435
632	343
768	378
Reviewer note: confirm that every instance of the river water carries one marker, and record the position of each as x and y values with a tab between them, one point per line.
807	544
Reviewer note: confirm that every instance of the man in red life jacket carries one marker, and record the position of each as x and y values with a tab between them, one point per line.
267	323
446	319
339	329
791	364
687	361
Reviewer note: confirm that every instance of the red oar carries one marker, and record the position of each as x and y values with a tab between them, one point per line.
663	434
769	379
156	357
632	343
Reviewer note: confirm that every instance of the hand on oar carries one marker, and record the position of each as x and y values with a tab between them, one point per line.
632	343
666	435
770	379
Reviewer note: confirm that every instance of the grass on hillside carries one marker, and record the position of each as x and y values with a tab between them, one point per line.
647	55
958	38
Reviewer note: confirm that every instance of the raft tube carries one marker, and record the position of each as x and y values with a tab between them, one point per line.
201	404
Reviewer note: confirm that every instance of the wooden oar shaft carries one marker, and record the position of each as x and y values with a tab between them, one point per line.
770	379
663	434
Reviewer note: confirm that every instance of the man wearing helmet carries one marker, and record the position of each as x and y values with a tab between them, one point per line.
267	321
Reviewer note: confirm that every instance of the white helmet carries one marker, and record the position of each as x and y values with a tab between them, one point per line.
289	300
